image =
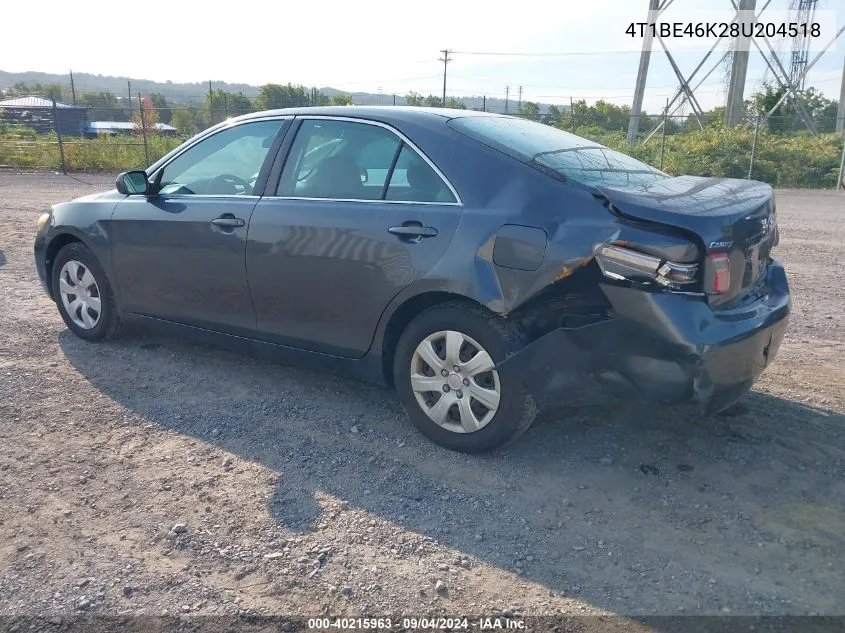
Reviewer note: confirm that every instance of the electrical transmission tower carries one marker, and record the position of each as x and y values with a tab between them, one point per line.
803	12
792	79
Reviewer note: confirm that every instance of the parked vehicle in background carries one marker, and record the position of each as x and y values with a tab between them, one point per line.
478	263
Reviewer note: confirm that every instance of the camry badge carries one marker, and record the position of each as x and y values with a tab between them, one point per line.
715	245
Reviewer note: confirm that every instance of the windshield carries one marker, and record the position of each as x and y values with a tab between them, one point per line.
566	154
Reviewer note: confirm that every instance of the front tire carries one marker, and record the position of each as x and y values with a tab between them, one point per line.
84	295
444	372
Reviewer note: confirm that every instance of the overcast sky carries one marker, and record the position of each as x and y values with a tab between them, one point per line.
386	45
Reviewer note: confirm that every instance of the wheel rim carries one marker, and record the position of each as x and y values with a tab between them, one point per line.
454	382
80	294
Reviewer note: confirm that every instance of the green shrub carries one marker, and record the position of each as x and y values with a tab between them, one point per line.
781	160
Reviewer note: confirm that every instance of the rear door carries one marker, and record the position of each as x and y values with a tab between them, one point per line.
358	214
180	254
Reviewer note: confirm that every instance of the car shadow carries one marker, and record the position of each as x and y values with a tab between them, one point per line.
609	504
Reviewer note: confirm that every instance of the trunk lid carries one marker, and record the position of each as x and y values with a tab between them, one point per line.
724	215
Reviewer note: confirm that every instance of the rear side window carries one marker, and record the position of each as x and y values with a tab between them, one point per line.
565	154
349	160
338	159
414	180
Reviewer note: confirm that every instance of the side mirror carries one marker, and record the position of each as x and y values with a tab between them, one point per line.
132	183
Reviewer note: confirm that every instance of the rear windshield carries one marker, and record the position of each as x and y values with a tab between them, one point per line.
563	153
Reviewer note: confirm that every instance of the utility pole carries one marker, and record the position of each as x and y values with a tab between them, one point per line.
840	116
572	112
484	103
445	59
642	75
129	94
520	99
72	88
394	99
739	68
507	96
210	103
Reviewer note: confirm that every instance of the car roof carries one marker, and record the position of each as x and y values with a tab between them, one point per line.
408	114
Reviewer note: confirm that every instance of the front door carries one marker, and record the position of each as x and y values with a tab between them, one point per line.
358	215
180	254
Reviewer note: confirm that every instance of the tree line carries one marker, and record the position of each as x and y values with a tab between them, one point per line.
610	117
604	116
188	118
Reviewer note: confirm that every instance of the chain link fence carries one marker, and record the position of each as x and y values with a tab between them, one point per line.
39	131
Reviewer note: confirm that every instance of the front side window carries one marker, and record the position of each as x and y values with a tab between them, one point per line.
226	163
566	154
357	161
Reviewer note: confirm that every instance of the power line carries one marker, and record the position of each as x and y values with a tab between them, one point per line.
383	82
568	94
569	54
621	96
558	87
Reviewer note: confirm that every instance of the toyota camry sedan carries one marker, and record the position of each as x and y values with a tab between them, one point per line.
482	265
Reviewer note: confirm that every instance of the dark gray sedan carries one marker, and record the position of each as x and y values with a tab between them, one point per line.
481	264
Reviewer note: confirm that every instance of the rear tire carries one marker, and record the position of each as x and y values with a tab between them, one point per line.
475	409
84	295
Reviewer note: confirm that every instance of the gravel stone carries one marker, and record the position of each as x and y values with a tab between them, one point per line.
256	457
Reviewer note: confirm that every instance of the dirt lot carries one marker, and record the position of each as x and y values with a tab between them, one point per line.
300	492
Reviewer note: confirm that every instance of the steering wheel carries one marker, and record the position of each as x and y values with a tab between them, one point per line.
232	181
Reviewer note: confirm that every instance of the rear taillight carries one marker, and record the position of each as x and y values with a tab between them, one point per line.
621	263
720	267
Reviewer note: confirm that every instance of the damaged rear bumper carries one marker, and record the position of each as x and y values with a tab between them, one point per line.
662	347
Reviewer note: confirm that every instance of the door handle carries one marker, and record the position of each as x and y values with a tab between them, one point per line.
413	230
228	222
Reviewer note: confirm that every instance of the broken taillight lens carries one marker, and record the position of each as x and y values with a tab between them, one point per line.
720	267
621	263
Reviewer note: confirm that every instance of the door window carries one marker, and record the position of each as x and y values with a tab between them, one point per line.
413	180
338	159
226	163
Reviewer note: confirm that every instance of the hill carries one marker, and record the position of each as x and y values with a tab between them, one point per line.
194	93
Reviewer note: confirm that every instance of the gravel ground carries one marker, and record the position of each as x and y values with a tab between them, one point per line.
150	475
